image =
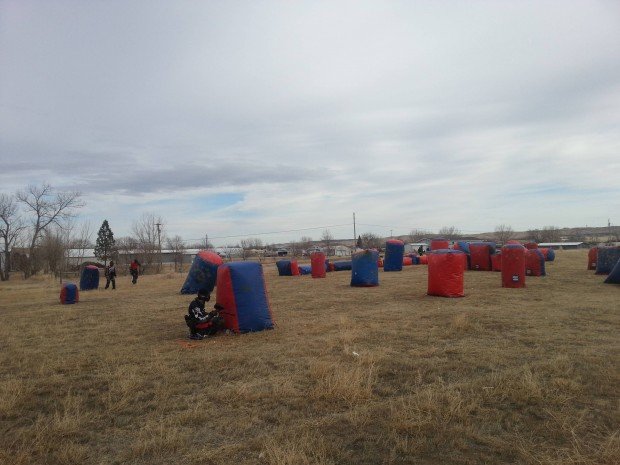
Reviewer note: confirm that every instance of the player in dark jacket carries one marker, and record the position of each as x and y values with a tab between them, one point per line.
110	274
200	322
134	269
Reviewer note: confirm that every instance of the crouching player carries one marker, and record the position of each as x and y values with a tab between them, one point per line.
200	322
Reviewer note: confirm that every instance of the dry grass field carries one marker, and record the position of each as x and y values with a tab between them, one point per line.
382	375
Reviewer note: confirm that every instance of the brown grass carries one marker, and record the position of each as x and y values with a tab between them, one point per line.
382	375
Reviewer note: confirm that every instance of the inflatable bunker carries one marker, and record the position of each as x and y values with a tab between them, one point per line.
203	272
305	269
463	246
606	259
365	269
318	264
288	268
89	278
614	276
530	245
69	294
439	243
534	263
480	255
592	255
241	291
496	261
394	252
513	265
445	273
548	253
342	266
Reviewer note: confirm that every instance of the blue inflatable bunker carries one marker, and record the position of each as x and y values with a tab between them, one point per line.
89	278
463	246
607	259
550	255
342	266
284	268
305	269
242	292
203	272
614	276
69	294
365	269
394	252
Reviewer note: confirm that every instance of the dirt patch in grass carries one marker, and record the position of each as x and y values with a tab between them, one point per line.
383	375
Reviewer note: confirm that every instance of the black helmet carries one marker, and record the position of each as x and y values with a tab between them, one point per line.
204	294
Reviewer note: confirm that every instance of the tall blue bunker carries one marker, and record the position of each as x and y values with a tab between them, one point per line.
365	268
394	252
89	278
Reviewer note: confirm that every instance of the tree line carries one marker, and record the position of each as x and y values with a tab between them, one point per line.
39	229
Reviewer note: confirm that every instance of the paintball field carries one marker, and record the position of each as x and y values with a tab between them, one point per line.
383	375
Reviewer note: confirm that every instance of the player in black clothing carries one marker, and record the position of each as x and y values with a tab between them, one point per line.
110	274
200	322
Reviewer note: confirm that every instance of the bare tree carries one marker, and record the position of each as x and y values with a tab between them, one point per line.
249	244
81	241
47	208
503	233
450	232
535	235
52	249
127	247
305	242
416	235
550	234
371	241
177	247
148	231
11	227
327	240
294	248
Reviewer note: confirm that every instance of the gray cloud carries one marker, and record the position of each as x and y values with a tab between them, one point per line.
312	107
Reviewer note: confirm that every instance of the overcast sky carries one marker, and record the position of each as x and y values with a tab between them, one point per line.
236	118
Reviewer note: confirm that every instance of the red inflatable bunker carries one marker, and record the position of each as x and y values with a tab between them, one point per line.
445	273
513	265
407	261
440	243
423	259
534	263
295	268
480	256
531	245
592	257
317	262
496	262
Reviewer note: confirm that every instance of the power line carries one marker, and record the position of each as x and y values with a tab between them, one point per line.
270	232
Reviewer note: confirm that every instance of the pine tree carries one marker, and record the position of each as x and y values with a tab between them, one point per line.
105	242
359	242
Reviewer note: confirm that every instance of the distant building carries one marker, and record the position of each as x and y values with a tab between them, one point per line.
342	251
562	245
415	246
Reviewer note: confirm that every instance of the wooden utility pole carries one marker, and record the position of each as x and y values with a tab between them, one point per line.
354	233
159	245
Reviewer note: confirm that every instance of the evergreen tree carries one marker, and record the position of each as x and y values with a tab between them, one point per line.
105	242
359	242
